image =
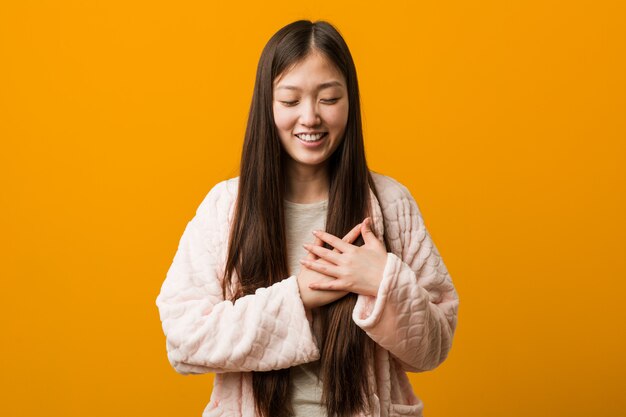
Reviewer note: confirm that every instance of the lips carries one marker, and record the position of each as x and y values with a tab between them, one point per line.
311	137
311	142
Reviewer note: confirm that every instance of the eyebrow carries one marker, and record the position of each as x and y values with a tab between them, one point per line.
320	87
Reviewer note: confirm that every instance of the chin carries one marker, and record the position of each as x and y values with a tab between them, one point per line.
311	161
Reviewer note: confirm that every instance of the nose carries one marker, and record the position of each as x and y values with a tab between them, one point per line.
310	115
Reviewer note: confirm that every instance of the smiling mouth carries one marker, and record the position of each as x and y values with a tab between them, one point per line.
312	138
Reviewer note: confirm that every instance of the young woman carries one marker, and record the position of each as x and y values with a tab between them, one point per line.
294	322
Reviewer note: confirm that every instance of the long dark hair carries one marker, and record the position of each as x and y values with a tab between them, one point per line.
257	246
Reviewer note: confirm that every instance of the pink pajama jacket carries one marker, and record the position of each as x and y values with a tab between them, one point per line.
412	319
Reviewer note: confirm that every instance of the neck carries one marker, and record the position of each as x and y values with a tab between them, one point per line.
306	184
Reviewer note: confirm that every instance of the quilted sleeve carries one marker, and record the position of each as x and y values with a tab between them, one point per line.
414	314
204	333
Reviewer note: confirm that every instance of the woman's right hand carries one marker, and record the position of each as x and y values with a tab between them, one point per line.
316	298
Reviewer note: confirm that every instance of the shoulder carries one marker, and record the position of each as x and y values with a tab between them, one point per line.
391	192
404	224
220	198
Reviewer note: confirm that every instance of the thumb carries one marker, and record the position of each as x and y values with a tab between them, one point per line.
366	230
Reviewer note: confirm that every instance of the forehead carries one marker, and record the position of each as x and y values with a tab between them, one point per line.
314	72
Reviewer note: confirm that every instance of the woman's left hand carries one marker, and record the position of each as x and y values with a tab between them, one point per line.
357	269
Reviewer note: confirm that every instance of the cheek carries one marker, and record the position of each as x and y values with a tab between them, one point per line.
338	116
282	118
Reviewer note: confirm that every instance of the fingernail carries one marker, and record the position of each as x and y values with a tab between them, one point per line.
316	232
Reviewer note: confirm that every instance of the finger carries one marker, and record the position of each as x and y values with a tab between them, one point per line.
353	234
323	268
318	260
366	230
336	285
322	252
350	236
333	240
310	255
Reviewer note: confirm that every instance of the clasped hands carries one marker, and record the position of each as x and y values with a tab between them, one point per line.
346	268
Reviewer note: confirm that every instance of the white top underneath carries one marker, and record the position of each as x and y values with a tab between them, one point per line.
300	221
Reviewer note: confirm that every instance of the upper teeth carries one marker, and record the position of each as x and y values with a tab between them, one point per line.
311	138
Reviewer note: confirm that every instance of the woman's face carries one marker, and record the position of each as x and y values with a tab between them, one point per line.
310	98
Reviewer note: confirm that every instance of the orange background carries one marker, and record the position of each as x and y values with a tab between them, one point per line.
506	120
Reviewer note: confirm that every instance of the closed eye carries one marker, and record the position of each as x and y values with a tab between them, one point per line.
326	100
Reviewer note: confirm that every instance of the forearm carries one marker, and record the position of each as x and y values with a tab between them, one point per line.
316	298
414	323
227	336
